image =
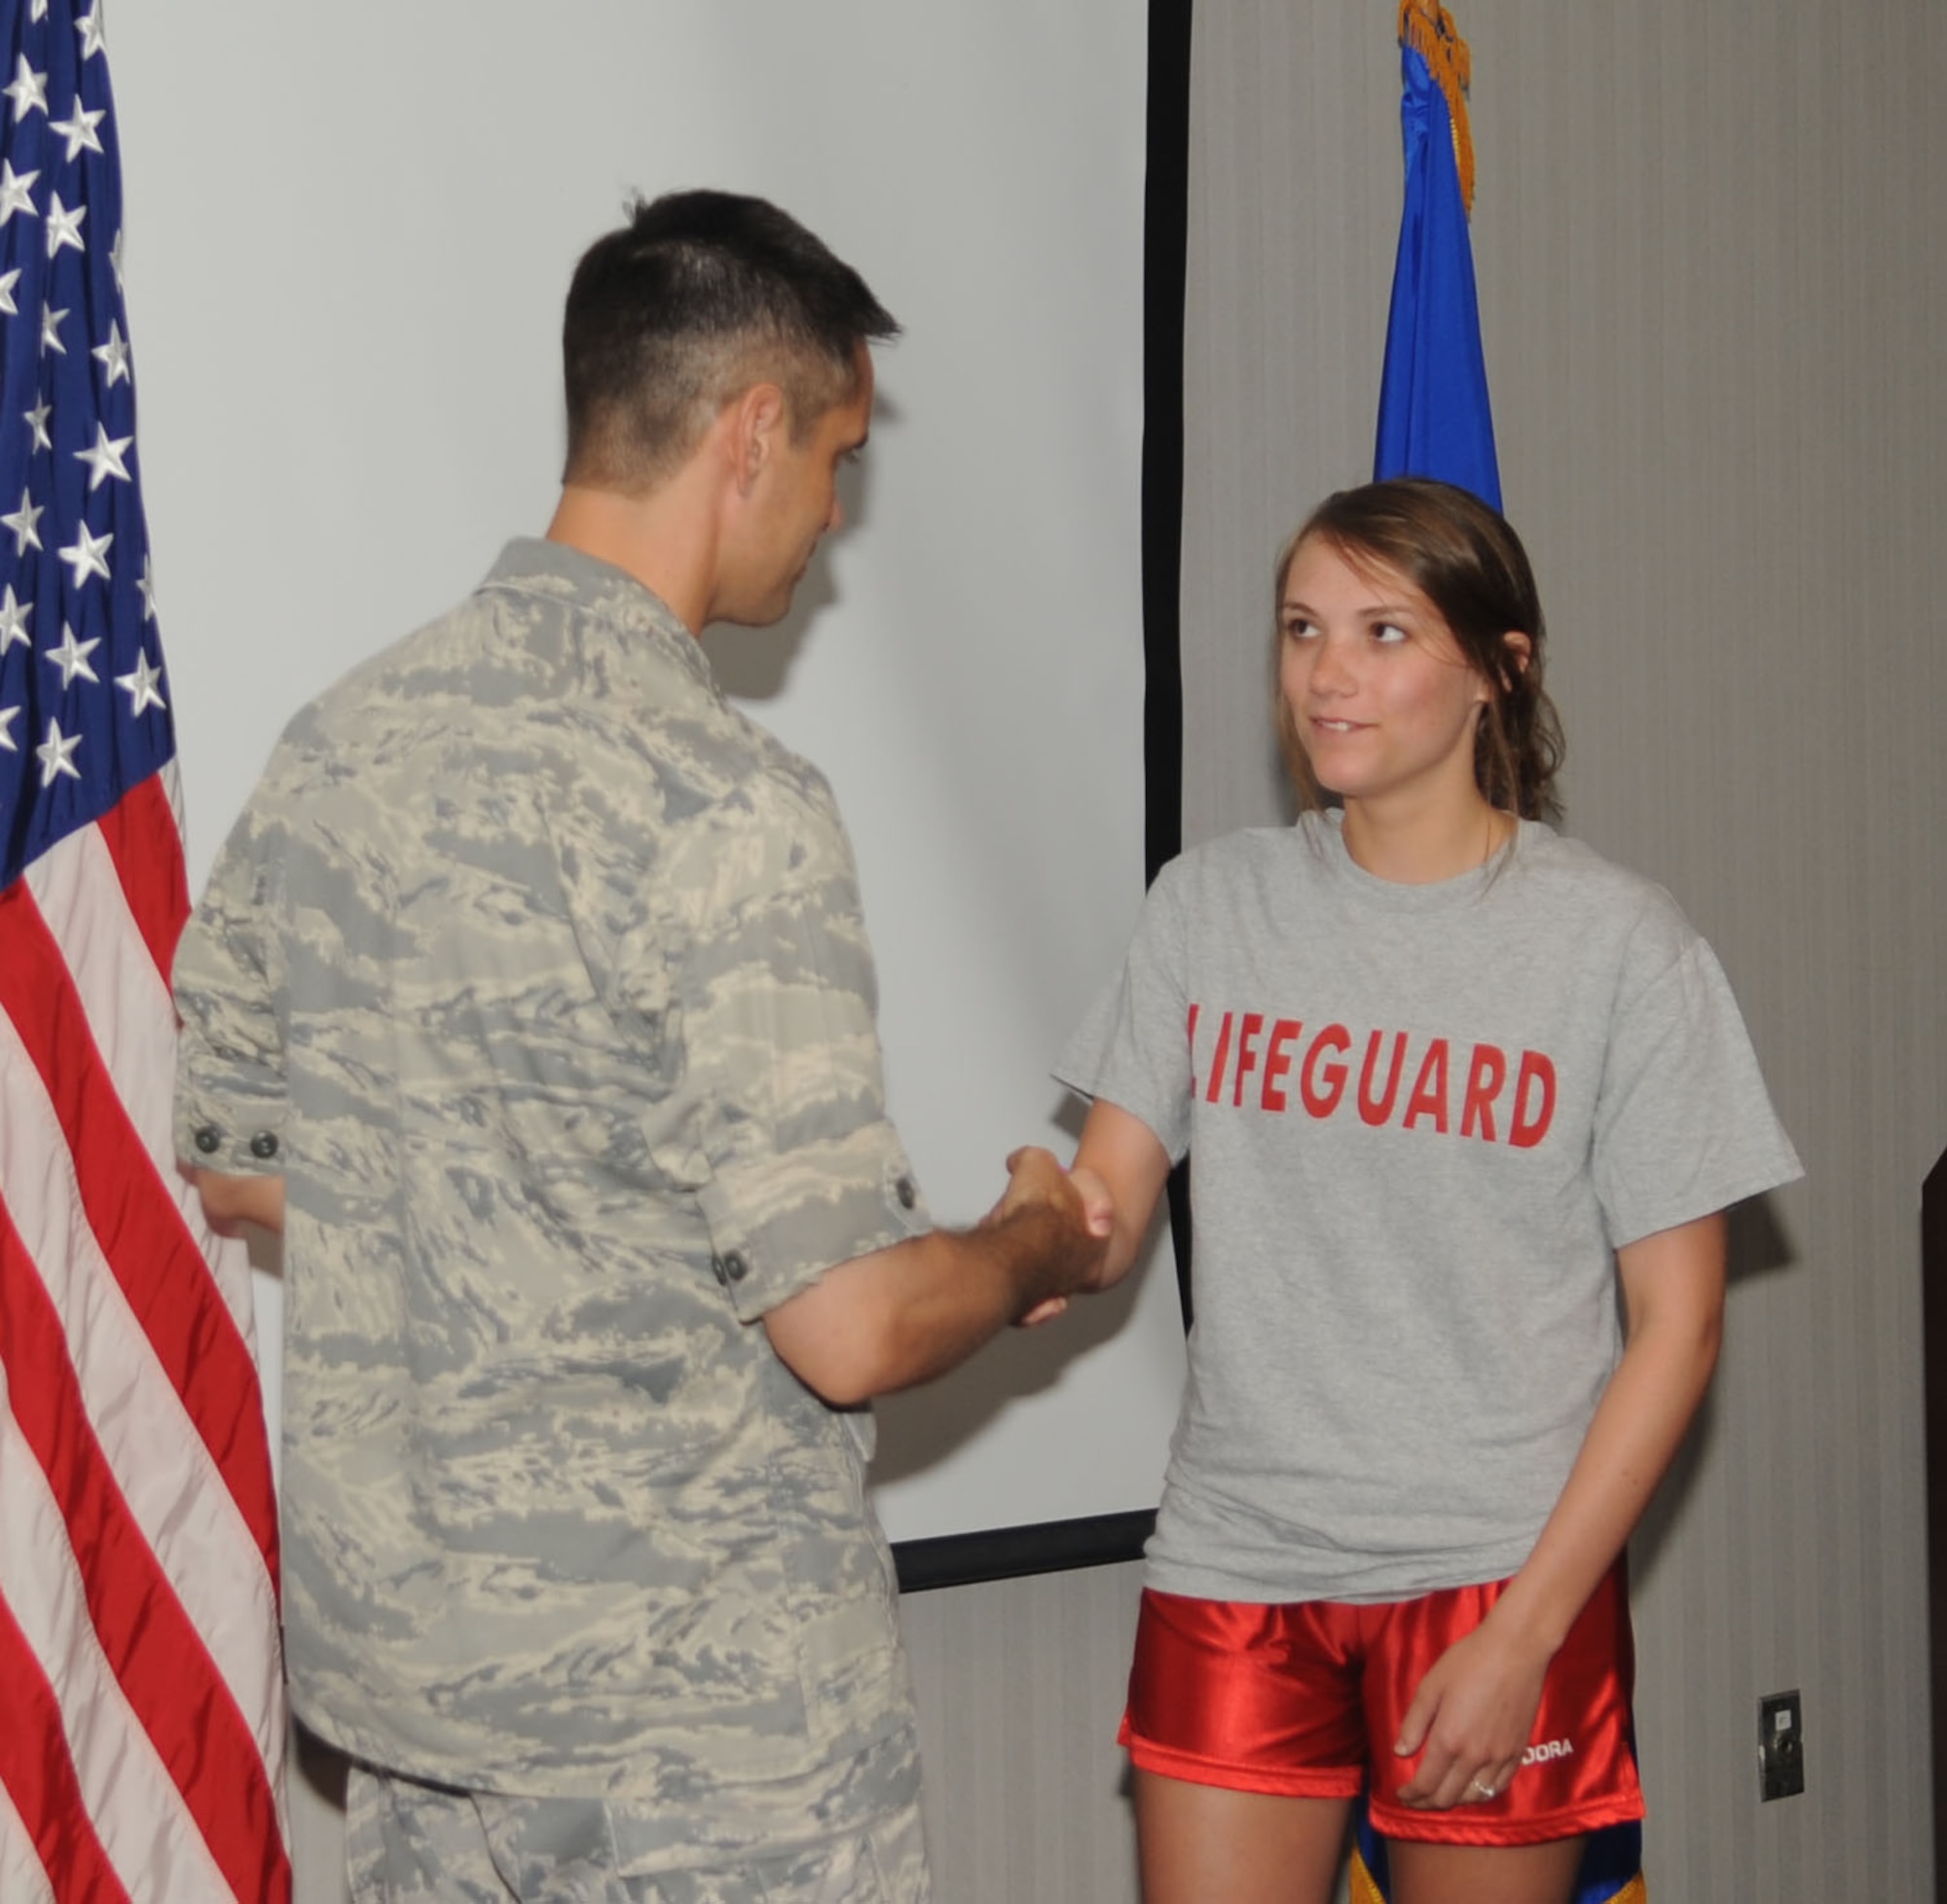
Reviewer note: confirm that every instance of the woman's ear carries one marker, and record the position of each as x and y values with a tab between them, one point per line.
1520	652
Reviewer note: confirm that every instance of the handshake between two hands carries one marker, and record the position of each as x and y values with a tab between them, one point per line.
1084	1211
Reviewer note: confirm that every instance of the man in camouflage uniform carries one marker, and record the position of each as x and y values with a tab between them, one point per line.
530	998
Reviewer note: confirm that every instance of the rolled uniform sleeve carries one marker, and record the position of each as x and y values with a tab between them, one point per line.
785	1144
232	1096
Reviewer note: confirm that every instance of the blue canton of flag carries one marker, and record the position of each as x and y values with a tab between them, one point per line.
82	709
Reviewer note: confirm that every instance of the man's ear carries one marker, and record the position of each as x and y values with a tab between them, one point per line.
757	423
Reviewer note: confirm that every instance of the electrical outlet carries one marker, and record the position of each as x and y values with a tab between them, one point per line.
1781	1746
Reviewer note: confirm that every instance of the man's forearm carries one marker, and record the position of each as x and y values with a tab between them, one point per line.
963	1288
904	1315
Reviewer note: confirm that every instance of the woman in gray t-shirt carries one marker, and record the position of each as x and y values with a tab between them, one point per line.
1448	1080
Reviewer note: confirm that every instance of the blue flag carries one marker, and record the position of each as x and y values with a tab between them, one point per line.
1435	420
1434	415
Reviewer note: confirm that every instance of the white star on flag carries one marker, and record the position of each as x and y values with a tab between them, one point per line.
63	225
29	92
105	458
88	26
15	191
13	620
22	522
56	756
79	131
142	686
36	420
8	279
146	588
86	553
50	330
71	657
8	716
115	259
113	353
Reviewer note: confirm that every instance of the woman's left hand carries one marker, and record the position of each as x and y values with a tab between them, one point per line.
1472	1717
1472	1714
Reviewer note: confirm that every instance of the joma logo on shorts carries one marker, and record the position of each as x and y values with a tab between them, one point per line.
1553	1749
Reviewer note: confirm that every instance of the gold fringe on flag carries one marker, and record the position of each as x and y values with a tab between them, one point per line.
1428	28
1362	1888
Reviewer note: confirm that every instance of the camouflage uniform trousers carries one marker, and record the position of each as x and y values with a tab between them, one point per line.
408	1842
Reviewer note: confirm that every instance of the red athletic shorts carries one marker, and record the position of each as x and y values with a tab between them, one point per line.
1306	1701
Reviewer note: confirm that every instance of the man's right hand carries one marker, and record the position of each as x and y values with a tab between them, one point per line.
1029	1187
909	1313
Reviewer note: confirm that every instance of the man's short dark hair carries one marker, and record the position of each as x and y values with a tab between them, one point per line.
699	296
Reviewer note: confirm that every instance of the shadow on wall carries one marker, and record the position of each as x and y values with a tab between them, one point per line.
322	1768
1758	1246
922	1427
752	663
316	1793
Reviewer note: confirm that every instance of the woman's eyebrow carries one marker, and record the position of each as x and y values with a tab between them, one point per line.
1292	606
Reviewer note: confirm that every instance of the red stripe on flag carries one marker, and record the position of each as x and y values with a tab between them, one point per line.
141	1229
141	832
40	1780
154	1650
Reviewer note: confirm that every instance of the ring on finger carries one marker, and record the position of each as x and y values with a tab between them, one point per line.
1479	1788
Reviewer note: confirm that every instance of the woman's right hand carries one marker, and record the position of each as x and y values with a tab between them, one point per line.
1121	1161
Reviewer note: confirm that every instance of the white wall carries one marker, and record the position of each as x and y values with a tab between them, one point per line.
348	235
350	230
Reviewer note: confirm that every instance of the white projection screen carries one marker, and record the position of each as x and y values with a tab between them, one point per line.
348	233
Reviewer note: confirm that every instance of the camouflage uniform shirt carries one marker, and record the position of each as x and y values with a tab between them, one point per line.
538	972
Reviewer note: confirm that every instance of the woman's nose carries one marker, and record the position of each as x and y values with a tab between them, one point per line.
1330	668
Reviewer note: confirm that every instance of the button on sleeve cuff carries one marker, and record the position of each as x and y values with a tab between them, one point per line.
235	1137
776	1228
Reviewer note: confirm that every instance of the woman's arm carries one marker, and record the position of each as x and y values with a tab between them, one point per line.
1121	1163
1474	1709
1129	1164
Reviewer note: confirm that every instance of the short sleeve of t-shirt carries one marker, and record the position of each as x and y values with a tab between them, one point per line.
1683	1126
1133	1046
796	1166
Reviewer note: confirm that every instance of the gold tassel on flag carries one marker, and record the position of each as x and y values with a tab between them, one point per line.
1428	28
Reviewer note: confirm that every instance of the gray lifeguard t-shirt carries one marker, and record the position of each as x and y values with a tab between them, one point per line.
1421	1119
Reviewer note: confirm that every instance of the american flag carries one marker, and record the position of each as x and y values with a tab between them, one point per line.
141	1700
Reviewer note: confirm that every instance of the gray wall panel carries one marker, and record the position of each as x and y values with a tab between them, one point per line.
1020	1685
1710	255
